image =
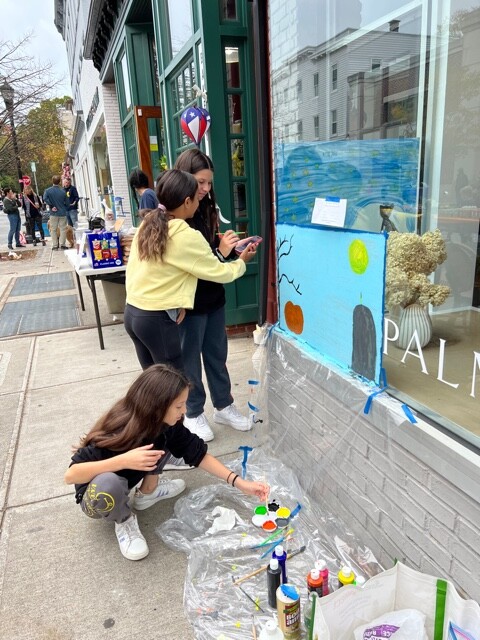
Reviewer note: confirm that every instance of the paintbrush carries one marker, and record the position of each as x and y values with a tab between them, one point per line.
274	544
254	631
257	571
248	596
276	533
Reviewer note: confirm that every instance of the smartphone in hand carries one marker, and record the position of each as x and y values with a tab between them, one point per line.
241	246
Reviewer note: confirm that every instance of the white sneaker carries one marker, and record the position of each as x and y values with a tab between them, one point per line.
165	489
176	464
200	427
132	544
231	416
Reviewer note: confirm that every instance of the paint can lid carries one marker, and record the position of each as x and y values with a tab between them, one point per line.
274	564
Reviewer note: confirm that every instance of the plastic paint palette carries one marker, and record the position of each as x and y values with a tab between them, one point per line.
271	519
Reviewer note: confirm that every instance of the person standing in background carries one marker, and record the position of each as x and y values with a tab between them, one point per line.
202	333
57	200
72	195
33	211
11	206
146	197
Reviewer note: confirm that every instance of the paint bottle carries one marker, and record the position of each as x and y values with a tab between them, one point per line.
281	555
274	579
359	581
288	610
315	582
345	576
271	631
321	565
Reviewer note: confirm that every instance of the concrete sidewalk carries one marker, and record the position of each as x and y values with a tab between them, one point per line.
62	575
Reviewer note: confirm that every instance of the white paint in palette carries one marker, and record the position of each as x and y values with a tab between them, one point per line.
4	361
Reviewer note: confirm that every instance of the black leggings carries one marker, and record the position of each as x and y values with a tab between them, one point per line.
155	335
37	220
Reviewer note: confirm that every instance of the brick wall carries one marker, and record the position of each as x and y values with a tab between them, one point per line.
115	147
408	491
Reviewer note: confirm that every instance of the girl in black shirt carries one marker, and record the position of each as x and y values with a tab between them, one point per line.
130	444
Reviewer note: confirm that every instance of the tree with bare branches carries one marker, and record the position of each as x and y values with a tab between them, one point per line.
32	82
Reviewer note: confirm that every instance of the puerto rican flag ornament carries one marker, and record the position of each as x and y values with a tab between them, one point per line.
195	122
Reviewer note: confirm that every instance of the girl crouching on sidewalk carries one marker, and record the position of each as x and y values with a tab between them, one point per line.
130	444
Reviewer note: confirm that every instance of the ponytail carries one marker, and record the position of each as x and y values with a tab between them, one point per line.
153	233
173	188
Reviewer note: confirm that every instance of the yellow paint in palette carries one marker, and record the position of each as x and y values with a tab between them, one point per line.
283	512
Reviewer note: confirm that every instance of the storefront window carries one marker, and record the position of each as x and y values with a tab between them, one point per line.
229	9
182	96
180	21
390	112
126	83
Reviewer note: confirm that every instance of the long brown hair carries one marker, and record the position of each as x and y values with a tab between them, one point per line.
193	161
172	190
137	418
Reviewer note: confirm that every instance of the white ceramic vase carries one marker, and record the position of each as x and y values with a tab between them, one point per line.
413	318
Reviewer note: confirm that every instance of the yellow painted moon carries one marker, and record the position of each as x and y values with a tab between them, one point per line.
358	256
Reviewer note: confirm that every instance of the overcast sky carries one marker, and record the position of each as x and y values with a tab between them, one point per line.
20	16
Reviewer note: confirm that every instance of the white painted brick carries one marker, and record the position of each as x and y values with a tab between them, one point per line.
410	492
362	465
467	534
433	506
441	534
384	504
408	549
421	537
466	582
464	505
467	557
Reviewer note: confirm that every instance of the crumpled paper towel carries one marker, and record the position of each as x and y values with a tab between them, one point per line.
224	520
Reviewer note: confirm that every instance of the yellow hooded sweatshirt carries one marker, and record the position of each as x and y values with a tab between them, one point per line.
170	283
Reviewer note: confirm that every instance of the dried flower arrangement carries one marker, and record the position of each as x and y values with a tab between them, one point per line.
410	260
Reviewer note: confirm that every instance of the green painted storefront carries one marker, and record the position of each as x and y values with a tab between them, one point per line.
158	51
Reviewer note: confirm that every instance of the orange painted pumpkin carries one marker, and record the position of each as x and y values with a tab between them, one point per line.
294	317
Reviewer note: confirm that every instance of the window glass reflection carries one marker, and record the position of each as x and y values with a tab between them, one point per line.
229	9
240	200
235	113
232	67
180	20
238	162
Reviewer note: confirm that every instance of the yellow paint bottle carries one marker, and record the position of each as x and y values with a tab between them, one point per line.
345	576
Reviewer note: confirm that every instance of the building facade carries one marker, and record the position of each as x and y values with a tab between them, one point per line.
371	103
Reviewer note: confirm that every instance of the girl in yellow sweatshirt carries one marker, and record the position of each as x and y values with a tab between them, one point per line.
166	260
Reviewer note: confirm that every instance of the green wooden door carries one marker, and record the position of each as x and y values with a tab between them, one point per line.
231	102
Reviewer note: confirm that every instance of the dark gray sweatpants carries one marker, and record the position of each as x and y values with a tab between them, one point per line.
107	497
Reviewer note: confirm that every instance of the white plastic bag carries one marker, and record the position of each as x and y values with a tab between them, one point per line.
407	624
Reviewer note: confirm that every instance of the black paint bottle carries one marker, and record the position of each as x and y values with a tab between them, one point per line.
274	575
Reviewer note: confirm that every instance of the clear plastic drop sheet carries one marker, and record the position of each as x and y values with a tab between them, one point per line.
216	606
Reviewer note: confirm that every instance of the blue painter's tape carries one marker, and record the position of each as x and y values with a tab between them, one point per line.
253	382
383	377
295	511
332	199
246	450
368	404
253	407
407	411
